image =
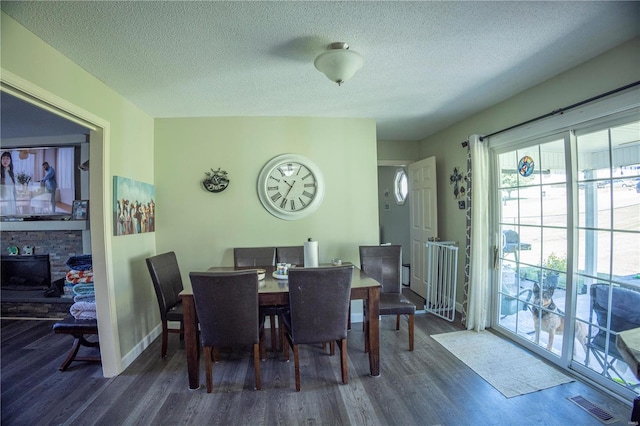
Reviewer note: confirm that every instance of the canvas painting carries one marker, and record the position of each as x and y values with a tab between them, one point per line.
133	206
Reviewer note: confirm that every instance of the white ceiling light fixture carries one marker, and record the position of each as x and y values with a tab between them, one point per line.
339	63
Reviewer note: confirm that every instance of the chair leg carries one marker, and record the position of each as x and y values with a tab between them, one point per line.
411	322
332	348
216	355
72	354
165	338
256	364
296	363
272	322
397	322
285	348
343	361
208	368
280	331
181	330
263	349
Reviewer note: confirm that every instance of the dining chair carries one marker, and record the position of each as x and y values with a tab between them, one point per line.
291	254
384	263
318	307
227	309
254	256
167	282
261	257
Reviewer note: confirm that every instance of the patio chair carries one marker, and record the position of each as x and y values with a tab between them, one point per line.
624	315
512	301
511	243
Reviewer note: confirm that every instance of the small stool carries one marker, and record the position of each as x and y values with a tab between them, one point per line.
78	328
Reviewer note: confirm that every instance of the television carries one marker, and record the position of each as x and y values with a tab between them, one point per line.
32	200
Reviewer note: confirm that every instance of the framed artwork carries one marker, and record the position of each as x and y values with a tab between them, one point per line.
80	210
134	206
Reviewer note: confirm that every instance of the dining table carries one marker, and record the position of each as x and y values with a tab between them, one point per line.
275	291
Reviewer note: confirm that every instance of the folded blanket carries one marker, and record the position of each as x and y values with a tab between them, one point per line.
80	289
75	276
83	310
80	263
85	298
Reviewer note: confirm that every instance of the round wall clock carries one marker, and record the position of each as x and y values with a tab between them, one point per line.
290	186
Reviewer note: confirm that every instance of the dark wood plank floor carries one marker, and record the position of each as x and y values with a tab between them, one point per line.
428	387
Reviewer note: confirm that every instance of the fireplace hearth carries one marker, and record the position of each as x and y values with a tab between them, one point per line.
25	288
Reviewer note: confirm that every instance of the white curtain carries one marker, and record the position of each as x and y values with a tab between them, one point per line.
480	252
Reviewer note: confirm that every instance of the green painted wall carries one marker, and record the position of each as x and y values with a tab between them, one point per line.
203	227
128	152
615	68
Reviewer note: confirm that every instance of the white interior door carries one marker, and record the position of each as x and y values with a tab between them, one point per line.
424	218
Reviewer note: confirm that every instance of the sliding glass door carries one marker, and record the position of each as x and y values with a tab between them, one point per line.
567	252
533	242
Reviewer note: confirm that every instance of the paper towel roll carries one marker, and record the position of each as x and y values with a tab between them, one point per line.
310	254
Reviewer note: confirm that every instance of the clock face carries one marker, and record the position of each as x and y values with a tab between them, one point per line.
290	187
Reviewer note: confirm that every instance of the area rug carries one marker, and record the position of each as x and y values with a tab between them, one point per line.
507	367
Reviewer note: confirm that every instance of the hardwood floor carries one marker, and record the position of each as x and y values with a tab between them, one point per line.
428	387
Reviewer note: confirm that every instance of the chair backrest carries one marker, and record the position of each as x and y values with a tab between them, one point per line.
292	254
167	281
384	264
254	256
511	237
625	306
319	303
227	307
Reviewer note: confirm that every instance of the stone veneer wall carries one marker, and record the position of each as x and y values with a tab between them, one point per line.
60	245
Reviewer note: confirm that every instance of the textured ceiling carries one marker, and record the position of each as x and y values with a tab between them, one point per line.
427	64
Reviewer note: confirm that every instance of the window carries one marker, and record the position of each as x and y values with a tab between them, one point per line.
401	186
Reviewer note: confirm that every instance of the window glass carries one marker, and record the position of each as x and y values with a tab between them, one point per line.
401	186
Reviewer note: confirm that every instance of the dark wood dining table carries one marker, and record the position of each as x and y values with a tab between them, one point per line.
271	292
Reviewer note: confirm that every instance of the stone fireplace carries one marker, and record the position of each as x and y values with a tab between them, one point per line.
54	247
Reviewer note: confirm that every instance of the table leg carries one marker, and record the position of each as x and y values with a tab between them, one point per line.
191	340
373	328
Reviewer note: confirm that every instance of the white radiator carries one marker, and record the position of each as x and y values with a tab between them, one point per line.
442	275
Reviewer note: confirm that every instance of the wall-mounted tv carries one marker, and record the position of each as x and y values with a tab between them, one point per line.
26	196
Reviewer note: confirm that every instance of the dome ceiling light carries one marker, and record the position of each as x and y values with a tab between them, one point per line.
339	63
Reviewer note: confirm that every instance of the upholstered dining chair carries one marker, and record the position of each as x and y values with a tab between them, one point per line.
261	257
318	307
167	282
227	309
291	254
254	256
384	263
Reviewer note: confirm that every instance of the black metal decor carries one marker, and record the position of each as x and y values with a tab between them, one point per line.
216	180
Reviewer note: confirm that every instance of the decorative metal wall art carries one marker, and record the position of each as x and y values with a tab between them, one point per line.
216	180
458	190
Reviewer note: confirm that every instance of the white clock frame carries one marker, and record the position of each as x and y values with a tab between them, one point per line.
272	207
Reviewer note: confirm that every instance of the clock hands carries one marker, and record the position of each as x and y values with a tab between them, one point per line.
290	188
